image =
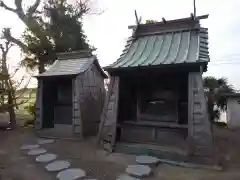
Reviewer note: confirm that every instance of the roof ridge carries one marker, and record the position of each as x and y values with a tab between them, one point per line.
197	50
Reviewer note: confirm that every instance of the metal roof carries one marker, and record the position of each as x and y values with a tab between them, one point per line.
172	45
71	66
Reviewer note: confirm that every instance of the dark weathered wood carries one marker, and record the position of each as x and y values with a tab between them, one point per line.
153	135
104	111
38	122
166	118
173	21
201	134
77	125
91	100
138	106
83	109
190	105
108	125
115	110
157	124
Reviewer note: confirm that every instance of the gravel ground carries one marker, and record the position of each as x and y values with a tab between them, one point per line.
16	165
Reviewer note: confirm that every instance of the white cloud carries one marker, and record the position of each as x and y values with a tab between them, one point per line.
109	31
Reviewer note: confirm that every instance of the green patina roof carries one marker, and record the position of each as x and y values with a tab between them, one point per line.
165	44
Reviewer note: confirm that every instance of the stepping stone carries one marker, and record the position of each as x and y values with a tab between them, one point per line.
127	177
46	157
29	146
36	151
138	170
57	165
147	160
71	174
45	141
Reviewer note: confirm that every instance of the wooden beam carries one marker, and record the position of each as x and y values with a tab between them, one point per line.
136	17
172	21
194	9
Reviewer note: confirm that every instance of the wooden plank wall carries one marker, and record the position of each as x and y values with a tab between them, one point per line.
107	127
200	131
39	97
91	94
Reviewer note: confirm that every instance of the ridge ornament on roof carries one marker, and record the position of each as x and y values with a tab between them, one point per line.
177	41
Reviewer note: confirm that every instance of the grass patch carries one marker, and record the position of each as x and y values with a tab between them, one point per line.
22	115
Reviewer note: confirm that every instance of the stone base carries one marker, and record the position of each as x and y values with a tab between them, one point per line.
57	165
139	171
71	174
147	160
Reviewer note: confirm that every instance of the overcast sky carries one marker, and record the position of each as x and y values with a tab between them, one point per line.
109	31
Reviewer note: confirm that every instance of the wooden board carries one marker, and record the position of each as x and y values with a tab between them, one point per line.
107	128
199	125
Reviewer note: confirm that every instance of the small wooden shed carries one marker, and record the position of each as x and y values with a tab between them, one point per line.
156	95
70	95
233	110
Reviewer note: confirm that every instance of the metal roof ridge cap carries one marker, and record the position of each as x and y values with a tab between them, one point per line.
167	31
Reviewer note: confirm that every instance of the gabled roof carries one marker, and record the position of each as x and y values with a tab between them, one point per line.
174	42
72	63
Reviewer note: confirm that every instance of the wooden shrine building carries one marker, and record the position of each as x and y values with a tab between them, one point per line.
68	94
156	95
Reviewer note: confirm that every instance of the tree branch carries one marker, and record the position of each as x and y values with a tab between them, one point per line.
2	48
7	35
14	73
3	5
25	87
33	8
19	83
18	4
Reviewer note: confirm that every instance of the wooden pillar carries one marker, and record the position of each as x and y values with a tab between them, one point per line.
190	106
77	125
138	106
39	105
108	124
199	127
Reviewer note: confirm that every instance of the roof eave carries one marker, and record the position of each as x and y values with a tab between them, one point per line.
105	76
61	75
229	95
112	69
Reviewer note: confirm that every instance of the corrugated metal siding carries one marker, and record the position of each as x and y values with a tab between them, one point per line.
69	67
190	46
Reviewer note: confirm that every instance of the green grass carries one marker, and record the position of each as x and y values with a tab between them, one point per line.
22	115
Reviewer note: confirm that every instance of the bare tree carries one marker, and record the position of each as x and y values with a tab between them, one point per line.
10	85
9	88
